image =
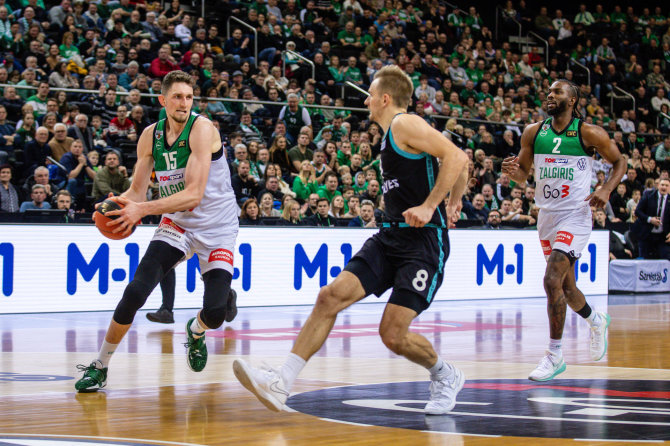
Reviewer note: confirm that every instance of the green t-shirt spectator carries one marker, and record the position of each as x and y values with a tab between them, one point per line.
415	79
325	193
352	74
68	51
349	38
303	190
337	75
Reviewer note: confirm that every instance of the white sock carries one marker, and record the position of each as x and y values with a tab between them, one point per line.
441	370
106	352
291	368
555	347
594	319
197	329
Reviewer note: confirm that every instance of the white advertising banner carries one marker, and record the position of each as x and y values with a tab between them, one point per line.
639	276
74	268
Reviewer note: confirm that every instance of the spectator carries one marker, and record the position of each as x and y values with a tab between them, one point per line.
294	117
10	198
321	217
477	210
60	143
494	220
249	213
366	219
39	100
81	131
244	185
163	64
64	202
113	178
121	129
267	204
79	168
290	215
37	150
41	176
329	188
272	187
38	196
305	182
300	152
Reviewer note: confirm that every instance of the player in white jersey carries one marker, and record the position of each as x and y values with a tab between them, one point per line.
199	217
562	148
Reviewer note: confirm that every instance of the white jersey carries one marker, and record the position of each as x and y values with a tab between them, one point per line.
562	167
218	208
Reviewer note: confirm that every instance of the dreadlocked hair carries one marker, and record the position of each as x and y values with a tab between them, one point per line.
573	89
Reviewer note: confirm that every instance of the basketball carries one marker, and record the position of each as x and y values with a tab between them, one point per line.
101	219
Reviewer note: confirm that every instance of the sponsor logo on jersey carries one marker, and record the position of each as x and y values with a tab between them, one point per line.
182	143
172	177
564	237
581	163
545	128
383	146
563	173
571	133
221	255
159	134
556	160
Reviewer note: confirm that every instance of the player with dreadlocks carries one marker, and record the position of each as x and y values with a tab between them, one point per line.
562	148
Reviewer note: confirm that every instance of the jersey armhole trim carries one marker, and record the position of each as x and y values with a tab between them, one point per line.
536	135
398	150
581	140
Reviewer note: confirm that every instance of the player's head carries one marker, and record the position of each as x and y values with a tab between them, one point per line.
563	98
390	87
177	95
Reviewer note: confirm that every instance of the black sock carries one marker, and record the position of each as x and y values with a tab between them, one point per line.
585	311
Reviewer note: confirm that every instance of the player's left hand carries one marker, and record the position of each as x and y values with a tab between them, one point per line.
418	216
454	212
598	198
128	216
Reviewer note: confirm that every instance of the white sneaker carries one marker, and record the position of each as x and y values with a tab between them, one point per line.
443	394
548	368
265	383
599	338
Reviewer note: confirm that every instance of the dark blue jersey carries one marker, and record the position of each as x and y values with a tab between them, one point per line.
408	179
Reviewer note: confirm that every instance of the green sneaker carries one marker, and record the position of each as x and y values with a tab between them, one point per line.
197	349
93	379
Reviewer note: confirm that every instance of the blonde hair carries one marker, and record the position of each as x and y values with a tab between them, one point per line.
393	81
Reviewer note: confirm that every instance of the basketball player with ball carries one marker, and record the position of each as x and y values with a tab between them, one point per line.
199	217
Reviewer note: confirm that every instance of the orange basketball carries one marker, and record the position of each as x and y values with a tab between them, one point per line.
101	219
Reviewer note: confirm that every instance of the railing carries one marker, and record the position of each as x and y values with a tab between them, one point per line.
614	96
151	95
298	56
588	71
246	25
546	46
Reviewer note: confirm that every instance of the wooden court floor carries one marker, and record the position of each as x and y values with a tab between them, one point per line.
353	392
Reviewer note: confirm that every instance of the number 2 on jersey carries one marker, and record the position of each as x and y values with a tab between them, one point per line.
170	160
557	141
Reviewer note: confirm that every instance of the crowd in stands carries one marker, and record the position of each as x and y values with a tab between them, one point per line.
294	161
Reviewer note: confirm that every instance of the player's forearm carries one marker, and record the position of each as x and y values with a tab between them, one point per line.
181	201
458	189
618	170
450	173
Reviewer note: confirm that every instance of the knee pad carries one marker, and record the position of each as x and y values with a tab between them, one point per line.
148	274
217	289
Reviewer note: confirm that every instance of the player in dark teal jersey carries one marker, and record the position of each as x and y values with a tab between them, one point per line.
407	254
